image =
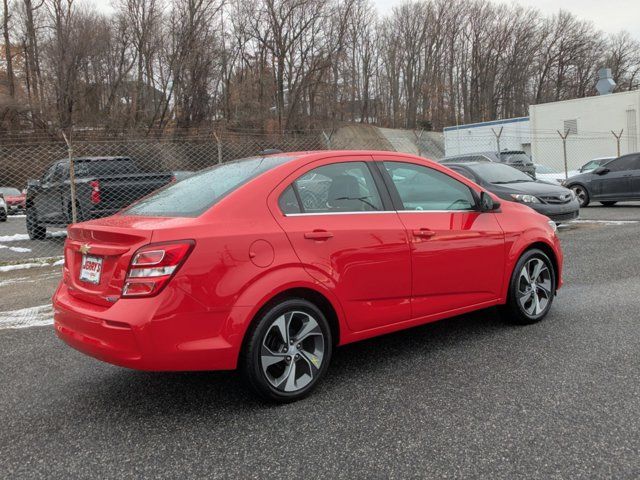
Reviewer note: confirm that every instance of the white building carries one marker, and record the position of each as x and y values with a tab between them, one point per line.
481	137
590	122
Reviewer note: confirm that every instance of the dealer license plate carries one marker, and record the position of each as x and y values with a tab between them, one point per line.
91	269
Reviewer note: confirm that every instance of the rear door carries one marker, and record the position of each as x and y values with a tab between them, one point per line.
49	200
635	177
347	235
617	182
457	251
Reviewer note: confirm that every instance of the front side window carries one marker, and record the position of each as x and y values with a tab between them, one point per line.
423	188
335	188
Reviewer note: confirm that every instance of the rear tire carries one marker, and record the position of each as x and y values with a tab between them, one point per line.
287	351
531	289
34	230
608	204
581	194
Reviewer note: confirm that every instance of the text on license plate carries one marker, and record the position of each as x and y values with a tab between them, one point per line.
91	269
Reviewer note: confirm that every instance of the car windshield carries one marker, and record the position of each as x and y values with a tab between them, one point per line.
499	173
593	164
196	194
6	191
544	169
515	157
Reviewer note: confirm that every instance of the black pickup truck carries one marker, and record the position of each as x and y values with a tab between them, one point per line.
104	185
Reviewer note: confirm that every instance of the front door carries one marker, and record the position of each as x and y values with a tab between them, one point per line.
348	237
457	252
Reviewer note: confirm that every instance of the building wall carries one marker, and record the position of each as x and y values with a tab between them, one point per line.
480	137
595	118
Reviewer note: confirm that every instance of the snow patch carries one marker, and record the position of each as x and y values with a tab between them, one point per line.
19	237
607	222
45	262
27	317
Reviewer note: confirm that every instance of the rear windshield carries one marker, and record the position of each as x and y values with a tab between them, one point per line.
104	167
515	157
196	194
7	191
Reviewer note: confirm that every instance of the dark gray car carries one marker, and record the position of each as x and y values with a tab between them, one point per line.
615	181
556	202
515	158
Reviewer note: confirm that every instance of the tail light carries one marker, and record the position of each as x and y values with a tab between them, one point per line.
95	191
152	266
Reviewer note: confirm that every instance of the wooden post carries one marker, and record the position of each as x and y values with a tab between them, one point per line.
498	135
564	149
72	179
618	136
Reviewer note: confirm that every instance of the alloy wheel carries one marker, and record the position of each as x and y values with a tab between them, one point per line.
534	287
581	194
292	351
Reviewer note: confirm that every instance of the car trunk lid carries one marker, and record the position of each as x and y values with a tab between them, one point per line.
105	245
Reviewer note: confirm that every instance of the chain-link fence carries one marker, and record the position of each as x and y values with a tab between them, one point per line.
109	175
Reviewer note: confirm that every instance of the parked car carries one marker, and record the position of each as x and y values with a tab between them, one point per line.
3	209
617	180
554	201
201	276
551	175
514	158
14	198
104	185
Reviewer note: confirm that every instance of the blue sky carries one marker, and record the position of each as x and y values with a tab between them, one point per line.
611	16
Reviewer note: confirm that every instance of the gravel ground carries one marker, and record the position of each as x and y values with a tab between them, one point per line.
468	397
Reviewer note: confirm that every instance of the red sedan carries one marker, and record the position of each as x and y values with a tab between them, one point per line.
14	198
268	263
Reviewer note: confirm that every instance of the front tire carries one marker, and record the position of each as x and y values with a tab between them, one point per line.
287	351
34	230
581	194
531	289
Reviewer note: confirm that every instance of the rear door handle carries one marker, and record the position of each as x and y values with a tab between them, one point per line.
318	235
424	233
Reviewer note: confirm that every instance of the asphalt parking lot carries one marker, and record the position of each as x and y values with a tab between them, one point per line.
469	397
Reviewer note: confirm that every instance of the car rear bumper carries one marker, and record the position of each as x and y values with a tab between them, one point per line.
148	334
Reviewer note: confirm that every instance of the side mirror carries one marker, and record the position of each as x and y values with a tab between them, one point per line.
487	204
600	170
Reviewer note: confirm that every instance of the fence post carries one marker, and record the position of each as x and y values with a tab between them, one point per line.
327	138
72	179
498	135
618	136
564	152
219	144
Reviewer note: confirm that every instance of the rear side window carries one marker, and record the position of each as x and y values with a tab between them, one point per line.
423	188
628	162
289	202
196	194
338	187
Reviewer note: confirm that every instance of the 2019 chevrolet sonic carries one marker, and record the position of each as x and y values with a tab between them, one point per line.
268	263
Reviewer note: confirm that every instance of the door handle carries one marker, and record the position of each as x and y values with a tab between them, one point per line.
318	235
424	233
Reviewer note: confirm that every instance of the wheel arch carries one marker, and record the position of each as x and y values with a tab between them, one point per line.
330	310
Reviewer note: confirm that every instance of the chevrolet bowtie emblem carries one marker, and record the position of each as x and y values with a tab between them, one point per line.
84	248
